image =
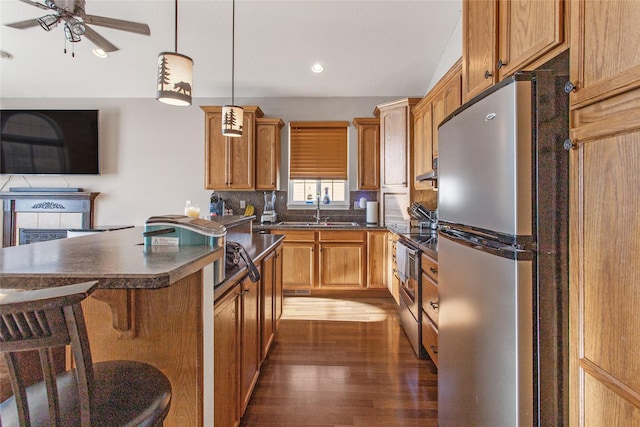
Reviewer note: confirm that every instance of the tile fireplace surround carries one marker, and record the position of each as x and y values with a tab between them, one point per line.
45	209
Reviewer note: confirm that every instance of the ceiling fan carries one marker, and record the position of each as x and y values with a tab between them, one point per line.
76	21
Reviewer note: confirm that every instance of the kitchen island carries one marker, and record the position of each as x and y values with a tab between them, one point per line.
154	306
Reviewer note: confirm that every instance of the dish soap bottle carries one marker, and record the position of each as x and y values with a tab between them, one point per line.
326	199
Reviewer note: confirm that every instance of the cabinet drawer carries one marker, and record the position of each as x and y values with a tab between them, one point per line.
430	267
342	236
430	339
298	235
430	298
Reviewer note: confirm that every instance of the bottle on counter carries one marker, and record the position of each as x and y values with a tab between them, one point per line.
326	199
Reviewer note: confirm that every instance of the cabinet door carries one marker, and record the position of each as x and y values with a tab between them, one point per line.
528	29
297	265
604	268
278	284
341	265
268	153
241	156
226	371
604	49
422	142
377	259
216	151
267	300
393	281
479	42
368	153
393	137
250	339
444	103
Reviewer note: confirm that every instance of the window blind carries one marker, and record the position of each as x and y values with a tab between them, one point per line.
318	150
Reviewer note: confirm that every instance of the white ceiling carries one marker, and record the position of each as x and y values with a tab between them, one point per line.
368	48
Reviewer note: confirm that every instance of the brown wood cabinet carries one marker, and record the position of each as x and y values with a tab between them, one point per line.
226	359
229	161
393	281
267	304
396	167
502	37
342	259
368	152
268	153
278	303
250	355
298	259
430	301
377	255
604	220
441	101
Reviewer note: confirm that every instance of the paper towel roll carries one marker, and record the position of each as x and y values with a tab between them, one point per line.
372	212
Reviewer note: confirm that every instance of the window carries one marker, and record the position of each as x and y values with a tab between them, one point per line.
318	165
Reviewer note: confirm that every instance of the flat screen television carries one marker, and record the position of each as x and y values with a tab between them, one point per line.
49	142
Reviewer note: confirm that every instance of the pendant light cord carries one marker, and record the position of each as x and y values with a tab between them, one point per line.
233	37
176	27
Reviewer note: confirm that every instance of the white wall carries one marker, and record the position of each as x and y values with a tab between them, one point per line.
451	53
152	154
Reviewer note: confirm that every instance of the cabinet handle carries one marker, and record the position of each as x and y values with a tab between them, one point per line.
434	304
569	144
434	349
433	270
487	74
501	64
244	291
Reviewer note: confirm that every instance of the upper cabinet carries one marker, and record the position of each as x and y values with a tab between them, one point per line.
604	49
441	101
502	37
268	153
396	131
368	152
249	162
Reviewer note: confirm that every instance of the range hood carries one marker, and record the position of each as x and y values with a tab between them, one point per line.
428	176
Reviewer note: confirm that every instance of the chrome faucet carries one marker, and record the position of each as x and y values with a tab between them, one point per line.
317	217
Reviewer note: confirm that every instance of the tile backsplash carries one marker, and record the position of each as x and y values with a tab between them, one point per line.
256	198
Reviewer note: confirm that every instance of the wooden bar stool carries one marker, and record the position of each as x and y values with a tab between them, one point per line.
113	393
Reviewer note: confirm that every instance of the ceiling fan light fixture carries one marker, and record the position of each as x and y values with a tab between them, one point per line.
70	35
100	53
76	26
48	22
232	115
175	74
317	68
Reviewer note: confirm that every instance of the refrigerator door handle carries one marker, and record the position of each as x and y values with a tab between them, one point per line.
489	246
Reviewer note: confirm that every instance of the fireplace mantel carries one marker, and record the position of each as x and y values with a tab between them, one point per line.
43	201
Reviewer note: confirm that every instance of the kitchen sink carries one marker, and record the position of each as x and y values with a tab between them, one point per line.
320	224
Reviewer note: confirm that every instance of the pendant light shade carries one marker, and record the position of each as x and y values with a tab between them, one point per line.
232	115
175	75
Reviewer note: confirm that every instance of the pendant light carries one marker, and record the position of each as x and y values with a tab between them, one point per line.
232	114
175	74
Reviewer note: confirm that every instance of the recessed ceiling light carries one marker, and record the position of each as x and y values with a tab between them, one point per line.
100	53
5	55
317	68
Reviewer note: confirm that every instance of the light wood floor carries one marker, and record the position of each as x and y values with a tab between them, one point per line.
343	363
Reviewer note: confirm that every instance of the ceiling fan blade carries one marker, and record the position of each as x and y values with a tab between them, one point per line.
118	24
98	40
33	3
24	24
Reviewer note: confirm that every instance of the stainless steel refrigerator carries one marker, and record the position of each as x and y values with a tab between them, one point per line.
502	256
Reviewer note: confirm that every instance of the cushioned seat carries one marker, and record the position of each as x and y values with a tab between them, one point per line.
112	393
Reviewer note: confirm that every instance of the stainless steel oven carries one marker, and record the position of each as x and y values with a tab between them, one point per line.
408	261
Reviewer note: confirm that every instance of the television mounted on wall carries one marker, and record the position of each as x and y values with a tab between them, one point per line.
49	142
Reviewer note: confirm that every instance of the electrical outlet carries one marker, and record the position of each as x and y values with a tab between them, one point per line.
242	204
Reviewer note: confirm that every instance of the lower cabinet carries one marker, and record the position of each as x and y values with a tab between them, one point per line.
245	321
430	301
226	370
250	356
341	259
377	255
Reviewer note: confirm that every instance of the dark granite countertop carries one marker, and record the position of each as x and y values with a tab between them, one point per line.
257	226
425	240
116	259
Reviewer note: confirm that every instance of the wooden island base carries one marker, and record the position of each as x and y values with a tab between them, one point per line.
166	332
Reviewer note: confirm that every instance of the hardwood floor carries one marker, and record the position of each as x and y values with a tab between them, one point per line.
343	363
